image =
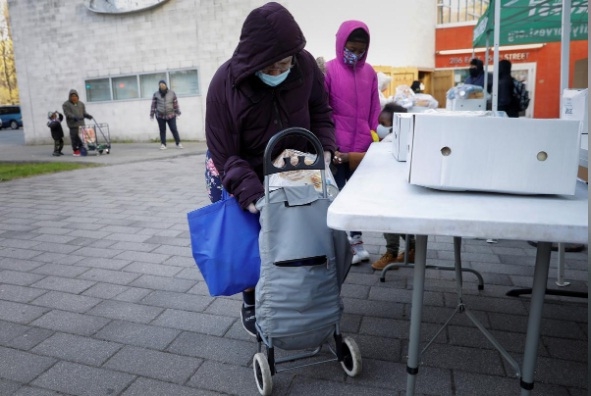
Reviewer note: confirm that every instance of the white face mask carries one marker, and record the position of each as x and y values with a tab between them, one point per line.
383	131
270	80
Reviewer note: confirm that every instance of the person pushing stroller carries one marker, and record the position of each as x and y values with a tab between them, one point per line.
75	112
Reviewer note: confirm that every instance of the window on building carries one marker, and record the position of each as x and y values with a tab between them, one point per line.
149	83
125	88
143	86
184	82
98	90
459	11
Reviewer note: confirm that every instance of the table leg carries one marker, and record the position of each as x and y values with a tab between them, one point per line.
535	317
412	366
458	267
560	267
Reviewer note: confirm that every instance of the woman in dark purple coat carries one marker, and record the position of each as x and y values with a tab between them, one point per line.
270	83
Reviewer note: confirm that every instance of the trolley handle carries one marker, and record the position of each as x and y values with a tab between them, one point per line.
268	166
100	128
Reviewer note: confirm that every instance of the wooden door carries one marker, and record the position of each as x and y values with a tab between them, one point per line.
399	76
443	80
426	77
404	76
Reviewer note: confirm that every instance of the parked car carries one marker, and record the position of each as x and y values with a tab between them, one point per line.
10	115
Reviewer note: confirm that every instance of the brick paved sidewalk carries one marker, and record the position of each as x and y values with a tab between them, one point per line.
99	295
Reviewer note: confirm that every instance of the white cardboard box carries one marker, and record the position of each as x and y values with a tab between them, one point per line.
509	155
401	129
465	104
574	107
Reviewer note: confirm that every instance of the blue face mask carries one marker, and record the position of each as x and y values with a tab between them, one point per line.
270	80
351	58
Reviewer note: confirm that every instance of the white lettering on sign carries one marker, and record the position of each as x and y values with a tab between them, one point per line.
546	8
577	32
460	60
481	27
517	56
465	60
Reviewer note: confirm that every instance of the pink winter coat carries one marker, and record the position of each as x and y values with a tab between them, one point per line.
353	95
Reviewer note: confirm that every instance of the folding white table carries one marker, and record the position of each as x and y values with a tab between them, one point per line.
378	198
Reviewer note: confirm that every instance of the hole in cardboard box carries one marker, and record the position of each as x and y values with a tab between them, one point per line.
542	156
445	151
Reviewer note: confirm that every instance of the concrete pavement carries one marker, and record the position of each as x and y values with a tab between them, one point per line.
99	295
13	148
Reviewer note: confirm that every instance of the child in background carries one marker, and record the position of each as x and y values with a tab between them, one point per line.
352	87
393	240
57	133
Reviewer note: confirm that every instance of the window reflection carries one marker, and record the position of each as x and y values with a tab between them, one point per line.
142	86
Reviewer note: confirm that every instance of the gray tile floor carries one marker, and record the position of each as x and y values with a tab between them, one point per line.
99	295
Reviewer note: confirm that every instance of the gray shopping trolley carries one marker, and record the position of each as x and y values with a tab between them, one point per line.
303	264
91	142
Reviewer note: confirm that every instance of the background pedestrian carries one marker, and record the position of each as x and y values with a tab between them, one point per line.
165	107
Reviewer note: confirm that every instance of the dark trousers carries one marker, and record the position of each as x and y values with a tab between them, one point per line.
510	110
393	242
172	125
75	138
58	145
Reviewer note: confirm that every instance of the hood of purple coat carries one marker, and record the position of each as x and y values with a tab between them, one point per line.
269	34
343	34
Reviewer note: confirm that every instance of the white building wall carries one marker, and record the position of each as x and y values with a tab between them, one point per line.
59	44
402	31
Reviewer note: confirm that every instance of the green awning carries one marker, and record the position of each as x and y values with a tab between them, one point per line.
531	21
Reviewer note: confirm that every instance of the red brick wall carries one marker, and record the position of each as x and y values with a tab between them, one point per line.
547	59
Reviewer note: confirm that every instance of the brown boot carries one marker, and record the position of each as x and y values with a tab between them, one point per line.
384	261
411	257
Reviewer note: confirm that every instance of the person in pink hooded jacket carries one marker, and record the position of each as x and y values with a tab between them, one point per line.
352	87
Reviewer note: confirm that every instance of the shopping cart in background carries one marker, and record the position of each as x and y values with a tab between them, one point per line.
93	143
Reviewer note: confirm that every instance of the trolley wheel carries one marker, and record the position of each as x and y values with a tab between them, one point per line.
100	151
351	362
107	151
262	374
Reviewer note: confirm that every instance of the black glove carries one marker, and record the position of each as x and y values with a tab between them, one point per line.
89	116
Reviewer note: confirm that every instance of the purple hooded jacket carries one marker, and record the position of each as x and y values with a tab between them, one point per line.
243	113
353	95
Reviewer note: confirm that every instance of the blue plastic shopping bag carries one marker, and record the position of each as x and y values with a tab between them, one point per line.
224	241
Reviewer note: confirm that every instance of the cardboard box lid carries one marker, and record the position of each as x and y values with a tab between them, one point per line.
465	113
